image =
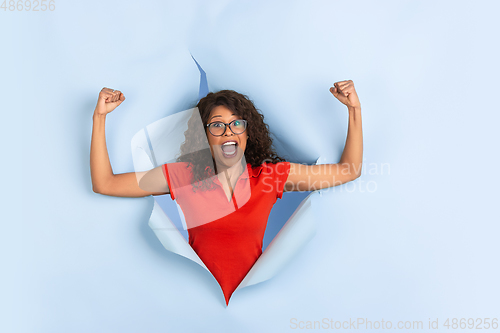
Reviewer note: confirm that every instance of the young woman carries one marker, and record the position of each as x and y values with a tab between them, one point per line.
226	193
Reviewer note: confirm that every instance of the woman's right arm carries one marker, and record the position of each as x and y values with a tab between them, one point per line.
152	182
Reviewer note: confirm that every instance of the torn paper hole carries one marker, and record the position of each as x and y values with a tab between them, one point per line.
175	145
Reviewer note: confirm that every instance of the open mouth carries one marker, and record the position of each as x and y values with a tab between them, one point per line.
229	149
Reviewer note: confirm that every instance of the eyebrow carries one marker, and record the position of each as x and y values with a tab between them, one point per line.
232	114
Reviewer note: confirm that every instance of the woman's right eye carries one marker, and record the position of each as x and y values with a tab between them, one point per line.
216	124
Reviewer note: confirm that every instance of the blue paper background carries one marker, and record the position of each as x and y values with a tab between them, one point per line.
423	244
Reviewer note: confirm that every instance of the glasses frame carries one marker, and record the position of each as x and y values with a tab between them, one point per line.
228	124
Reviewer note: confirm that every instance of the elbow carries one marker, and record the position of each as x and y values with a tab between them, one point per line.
97	189
352	177
352	169
100	186
356	174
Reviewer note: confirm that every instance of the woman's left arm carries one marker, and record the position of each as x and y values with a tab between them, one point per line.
315	177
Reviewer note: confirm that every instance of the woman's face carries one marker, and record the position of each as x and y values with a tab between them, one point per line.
228	148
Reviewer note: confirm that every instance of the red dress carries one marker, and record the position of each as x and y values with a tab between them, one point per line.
228	234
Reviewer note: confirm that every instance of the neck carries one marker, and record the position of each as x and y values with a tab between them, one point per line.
232	172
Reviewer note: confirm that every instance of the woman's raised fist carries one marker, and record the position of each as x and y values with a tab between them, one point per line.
108	100
345	92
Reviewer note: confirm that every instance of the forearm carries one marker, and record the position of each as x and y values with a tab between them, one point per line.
352	157
100	167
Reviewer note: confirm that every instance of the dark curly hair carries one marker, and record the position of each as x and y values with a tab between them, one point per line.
259	147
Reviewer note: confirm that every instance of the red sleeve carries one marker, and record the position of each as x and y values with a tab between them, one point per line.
169	182
282	169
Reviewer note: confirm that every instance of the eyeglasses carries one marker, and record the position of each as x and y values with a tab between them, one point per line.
218	128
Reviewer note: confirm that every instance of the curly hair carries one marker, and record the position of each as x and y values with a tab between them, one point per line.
259	147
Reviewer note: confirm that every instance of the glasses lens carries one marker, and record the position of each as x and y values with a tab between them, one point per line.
238	126
217	128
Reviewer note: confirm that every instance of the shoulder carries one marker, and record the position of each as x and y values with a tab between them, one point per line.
178	170
276	175
275	166
177	166
275	169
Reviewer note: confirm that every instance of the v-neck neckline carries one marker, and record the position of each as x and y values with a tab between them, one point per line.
231	198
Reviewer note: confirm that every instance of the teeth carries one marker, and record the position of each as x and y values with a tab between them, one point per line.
228	143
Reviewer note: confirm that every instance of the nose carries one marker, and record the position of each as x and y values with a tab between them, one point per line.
228	130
